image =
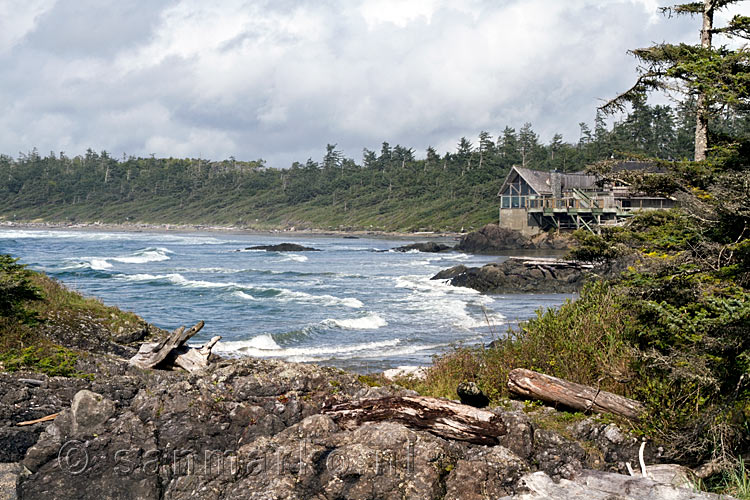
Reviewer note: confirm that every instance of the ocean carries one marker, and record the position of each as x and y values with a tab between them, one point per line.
356	304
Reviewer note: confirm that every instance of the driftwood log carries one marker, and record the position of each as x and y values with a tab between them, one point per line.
441	417
46	418
580	397
550	262
171	351
193	359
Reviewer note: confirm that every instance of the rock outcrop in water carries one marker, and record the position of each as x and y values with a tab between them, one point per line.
284	247
493	239
512	276
427	246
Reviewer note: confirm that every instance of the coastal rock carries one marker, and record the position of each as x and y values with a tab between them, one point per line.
253	428
8	480
284	247
451	272
485	473
598	485
513	276
89	411
470	394
428	246
494	239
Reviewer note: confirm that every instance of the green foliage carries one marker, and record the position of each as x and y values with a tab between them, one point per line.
594	248
52	361
691	333
373	379
583	341
660	233
61	304
34	303
734	481
15	289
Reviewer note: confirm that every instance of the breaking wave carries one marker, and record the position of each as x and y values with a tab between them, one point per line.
370	322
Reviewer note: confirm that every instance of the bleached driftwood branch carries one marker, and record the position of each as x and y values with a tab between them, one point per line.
172	351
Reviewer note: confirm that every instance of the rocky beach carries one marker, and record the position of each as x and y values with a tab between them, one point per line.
260	429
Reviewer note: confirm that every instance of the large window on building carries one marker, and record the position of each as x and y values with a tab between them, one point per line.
515	194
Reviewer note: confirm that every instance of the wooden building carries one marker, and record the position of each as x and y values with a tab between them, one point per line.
532	201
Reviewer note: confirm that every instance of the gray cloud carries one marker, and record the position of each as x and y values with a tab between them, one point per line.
280	79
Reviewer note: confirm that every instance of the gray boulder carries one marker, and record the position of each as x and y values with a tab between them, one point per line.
512	276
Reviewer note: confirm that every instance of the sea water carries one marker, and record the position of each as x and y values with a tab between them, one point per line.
356	304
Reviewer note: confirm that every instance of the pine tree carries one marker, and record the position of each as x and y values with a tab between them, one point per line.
716	76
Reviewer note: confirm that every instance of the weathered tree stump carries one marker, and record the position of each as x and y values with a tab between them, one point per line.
441	417
171	351
580	397
193	359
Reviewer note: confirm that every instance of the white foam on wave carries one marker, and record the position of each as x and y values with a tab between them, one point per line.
102	263
282	295
243	295
370	322
177	279
95	263
325	300
210	270
144	256
454	256
384	351
94	235
441	300
99	264
293	257
139	277
265	346
424	284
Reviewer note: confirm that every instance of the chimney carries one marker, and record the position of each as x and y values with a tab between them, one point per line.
555	180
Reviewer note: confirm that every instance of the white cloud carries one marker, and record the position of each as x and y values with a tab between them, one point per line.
18	18
279	79
397	12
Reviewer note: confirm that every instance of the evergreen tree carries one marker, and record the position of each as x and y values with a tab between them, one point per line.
716	76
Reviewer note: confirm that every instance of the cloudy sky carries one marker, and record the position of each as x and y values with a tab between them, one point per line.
279	79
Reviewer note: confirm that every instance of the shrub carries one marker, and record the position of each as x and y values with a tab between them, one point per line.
15	289
583	341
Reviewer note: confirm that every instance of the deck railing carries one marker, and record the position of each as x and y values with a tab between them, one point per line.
584	202
566	202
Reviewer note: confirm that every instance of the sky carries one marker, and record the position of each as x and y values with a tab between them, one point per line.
280	79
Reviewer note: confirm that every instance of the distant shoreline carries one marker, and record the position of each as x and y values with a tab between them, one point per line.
205	228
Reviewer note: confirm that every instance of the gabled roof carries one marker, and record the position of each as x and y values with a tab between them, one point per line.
538	181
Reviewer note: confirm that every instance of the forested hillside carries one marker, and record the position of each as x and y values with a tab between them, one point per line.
387	190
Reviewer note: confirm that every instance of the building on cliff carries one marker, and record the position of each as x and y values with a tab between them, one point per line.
532	201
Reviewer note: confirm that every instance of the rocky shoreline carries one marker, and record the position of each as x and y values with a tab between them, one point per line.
147	434
154	227
257	429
